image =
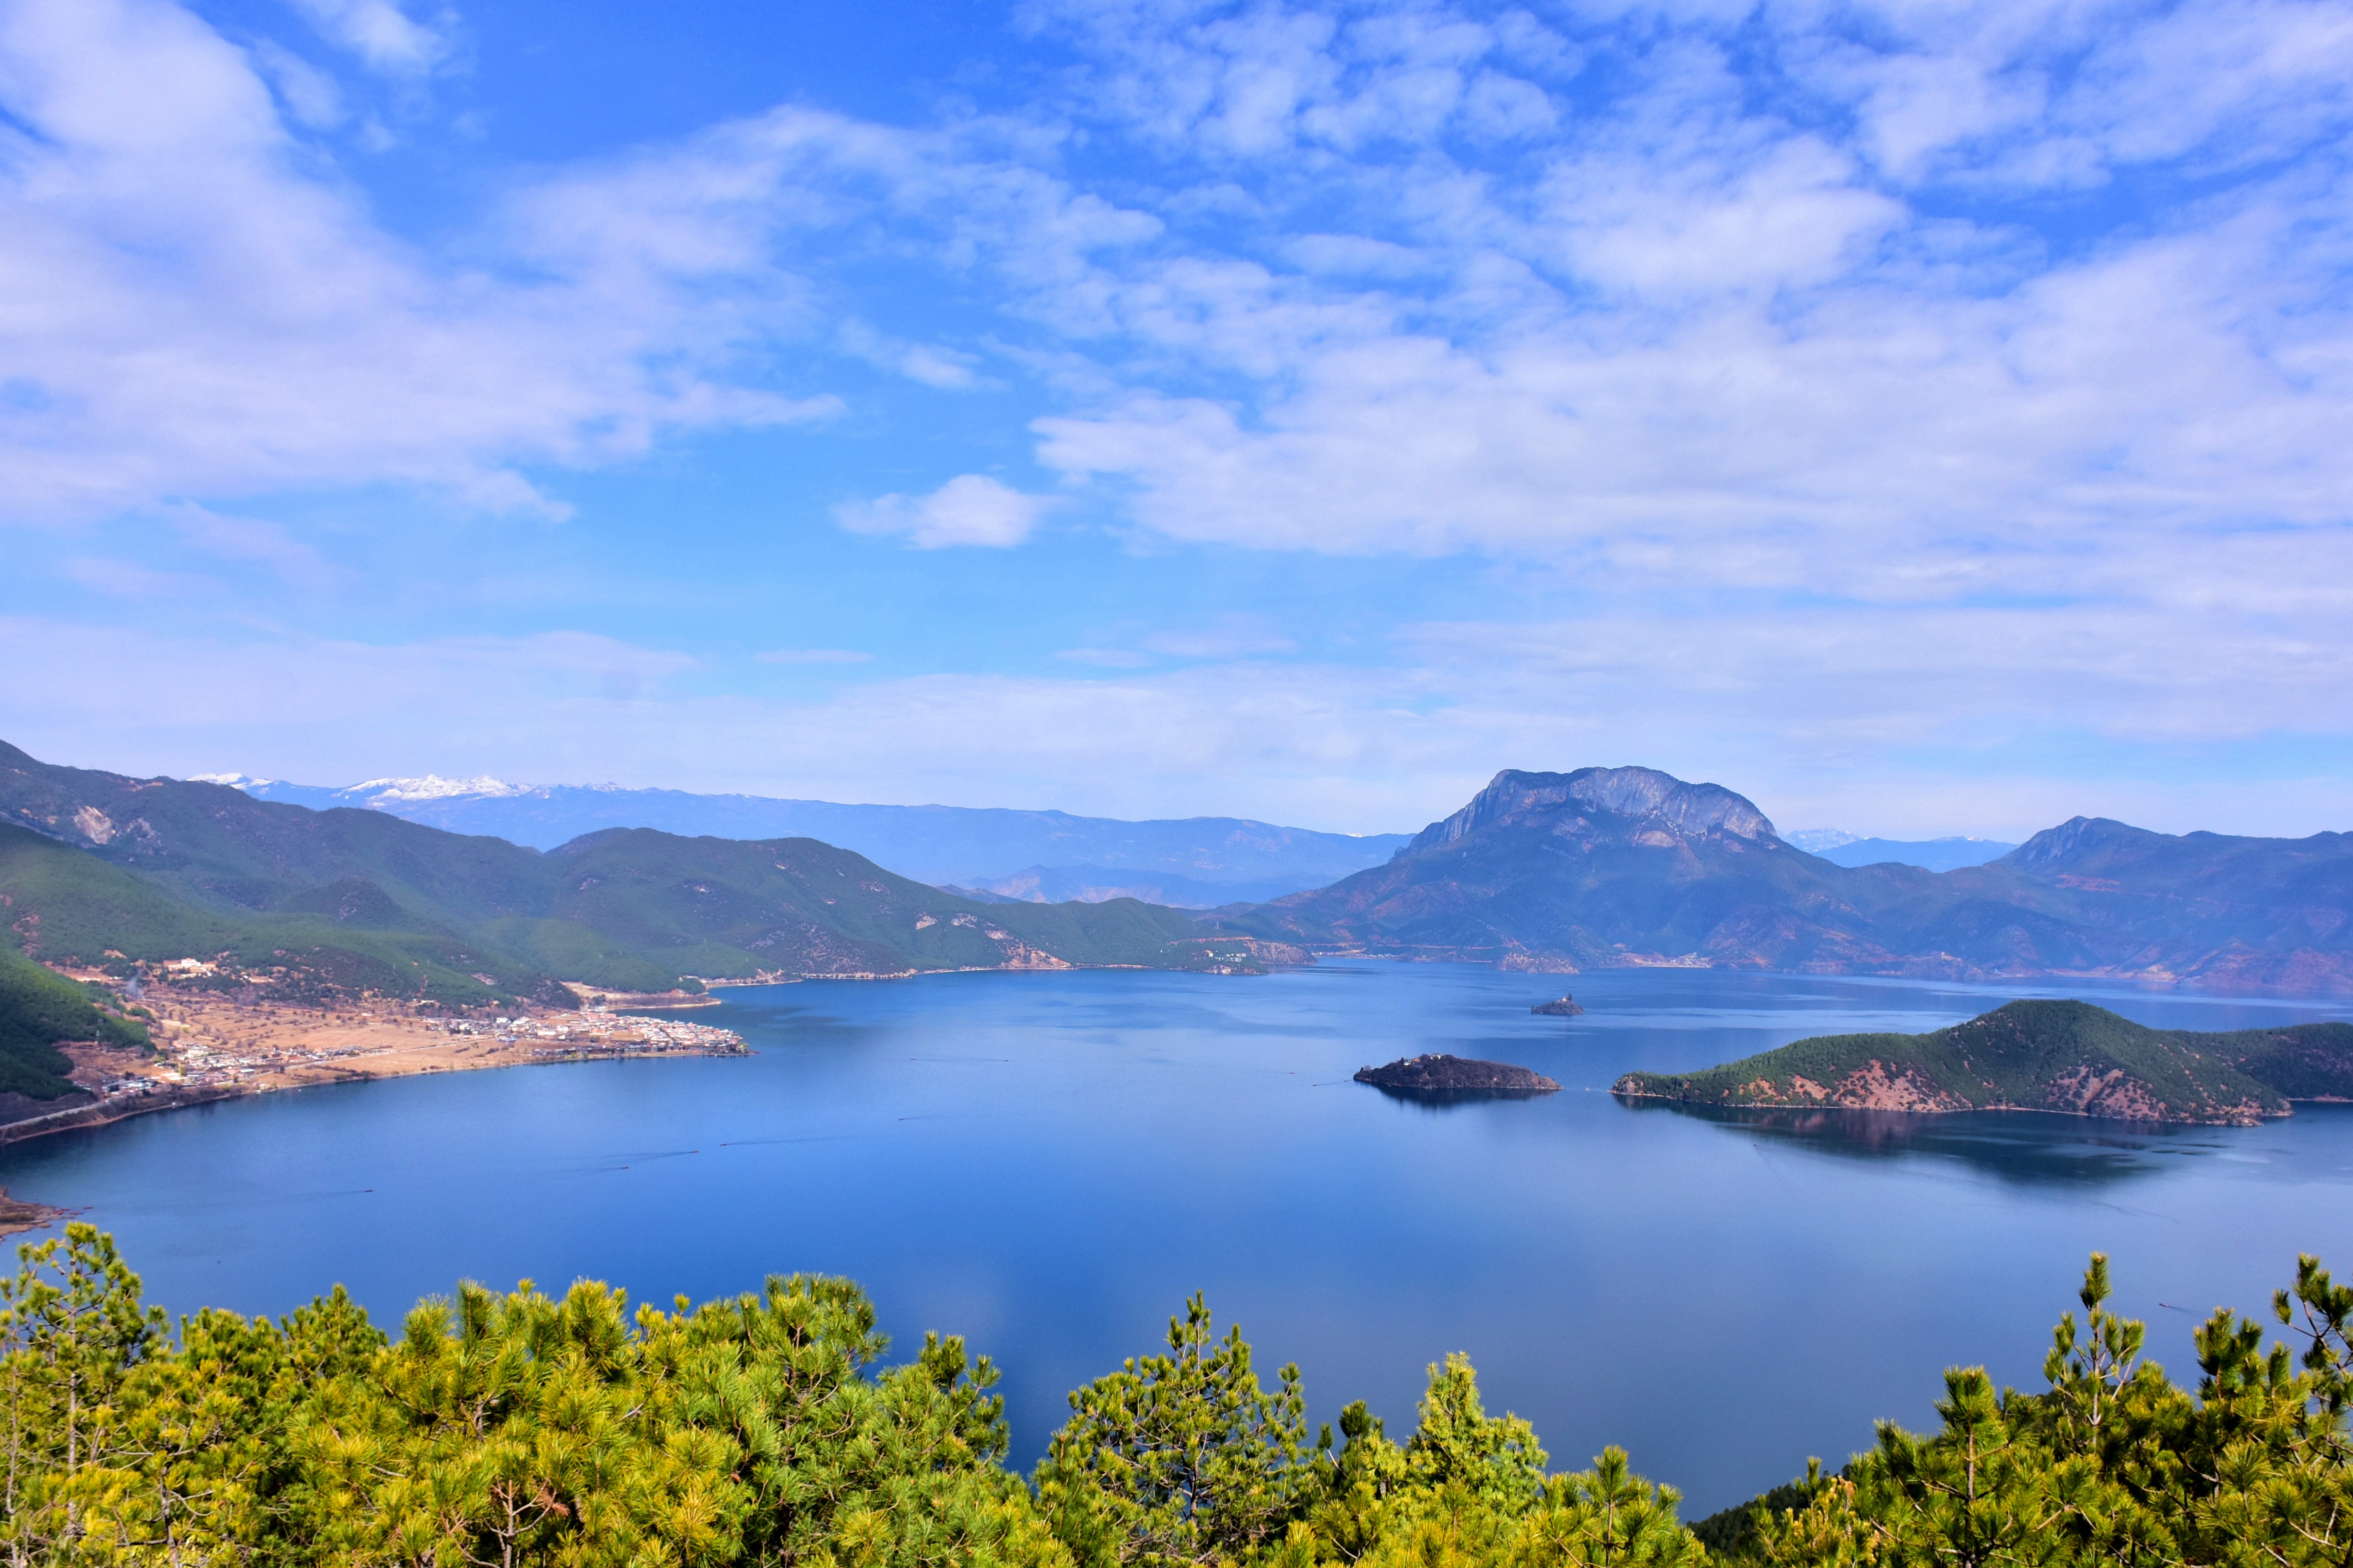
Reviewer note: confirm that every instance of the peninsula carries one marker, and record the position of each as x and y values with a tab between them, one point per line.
87	1061
2069	1057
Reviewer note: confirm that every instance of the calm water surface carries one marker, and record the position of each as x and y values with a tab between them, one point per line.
1047	1163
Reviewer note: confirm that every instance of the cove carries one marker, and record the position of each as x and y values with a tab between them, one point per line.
1048	1162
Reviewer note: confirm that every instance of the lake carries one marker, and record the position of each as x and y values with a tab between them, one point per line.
1048	1162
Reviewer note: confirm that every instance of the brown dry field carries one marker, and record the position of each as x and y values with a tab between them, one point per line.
283	1047
296	1045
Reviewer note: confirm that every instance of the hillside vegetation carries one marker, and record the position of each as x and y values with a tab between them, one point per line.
39	1010
111	871
2066	1057
524	1431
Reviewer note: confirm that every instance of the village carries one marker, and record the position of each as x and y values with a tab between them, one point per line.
208	1046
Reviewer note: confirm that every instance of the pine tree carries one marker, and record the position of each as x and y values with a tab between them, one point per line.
72	1330
1179	1458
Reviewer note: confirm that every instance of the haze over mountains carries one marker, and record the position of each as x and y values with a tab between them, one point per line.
1611	866
103	868
1949	854
1599	867
1030	856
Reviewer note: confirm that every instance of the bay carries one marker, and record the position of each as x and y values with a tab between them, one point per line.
1047	1163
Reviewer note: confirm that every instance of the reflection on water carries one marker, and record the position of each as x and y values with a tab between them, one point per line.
1049	1163
2021	1146
1441	1099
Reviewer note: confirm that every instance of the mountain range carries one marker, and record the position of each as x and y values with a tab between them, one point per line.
97	868
1599	867
1032	856
1618	867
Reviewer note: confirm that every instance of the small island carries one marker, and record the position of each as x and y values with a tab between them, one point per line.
2069	1057
1558	1008
1444	1075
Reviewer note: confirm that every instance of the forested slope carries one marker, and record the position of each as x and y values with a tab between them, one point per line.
351	902
2057	1056
39	1010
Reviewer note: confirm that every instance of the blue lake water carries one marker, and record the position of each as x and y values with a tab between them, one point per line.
1046	1163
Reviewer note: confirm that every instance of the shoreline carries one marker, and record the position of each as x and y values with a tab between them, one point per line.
19	1215
2194	985
1812	1106
207	1048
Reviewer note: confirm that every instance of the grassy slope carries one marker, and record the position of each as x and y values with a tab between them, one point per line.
2020	1055
39	1010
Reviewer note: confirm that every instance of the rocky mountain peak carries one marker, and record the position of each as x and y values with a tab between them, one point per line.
1645	798
2076	839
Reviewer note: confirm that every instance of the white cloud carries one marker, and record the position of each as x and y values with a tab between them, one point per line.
971	508
1699	336
949	370
383	34
188	311
295	562
308	93
1691	336
1837	436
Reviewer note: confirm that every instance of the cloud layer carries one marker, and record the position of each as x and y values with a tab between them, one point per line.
1908	393
1908	749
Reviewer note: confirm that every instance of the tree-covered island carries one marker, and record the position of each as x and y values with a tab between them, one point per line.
2067	1057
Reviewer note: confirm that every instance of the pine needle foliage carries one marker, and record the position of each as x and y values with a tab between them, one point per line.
517	1429
1179	1458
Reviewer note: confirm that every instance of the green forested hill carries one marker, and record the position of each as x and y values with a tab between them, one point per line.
2038	1056
67	906
358	900
37	1011
733	909
2305	1061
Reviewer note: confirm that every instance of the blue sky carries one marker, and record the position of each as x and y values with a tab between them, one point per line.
1922	417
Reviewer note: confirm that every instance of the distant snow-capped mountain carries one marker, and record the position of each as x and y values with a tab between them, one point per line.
1199	861
375	794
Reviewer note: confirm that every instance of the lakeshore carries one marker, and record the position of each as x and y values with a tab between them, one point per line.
1049	1164
211	1047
